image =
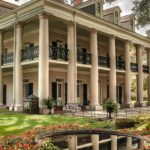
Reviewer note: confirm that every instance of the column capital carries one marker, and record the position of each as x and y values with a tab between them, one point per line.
93	30
139	46
112	36
43	16
18	24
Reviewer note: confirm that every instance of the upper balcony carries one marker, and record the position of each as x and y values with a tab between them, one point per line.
7	58
120	64
58	53
104	61
30	52
84	57
145	69
134	67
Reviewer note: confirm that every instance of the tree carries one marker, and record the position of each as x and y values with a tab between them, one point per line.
141	10
111	107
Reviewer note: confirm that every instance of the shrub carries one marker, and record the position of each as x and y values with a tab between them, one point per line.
50	103
110	107
125	123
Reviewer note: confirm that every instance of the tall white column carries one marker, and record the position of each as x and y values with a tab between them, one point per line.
113	142
127	92
1	74
72	66
72	142
95	141
148	63
43	71
94	101
140	75
18	83
129	142
112	73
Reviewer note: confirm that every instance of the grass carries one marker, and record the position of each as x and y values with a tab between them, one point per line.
11	124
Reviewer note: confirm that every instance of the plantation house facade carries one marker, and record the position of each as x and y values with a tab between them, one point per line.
75	54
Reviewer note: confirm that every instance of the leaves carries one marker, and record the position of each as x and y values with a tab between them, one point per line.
141	10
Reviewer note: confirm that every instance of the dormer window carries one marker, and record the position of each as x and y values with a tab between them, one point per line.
131	23
98	9
116	17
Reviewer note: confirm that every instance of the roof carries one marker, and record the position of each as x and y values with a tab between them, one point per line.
111	10
7	5
127	17
87	3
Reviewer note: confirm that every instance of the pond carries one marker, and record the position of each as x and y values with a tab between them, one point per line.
94	139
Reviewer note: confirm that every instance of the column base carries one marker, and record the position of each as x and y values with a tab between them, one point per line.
98	107
2	106
128	105
148	103
18	108
140	104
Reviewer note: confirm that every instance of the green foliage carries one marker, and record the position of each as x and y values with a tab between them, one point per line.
125	123
49	102
110	106
141	10
48	145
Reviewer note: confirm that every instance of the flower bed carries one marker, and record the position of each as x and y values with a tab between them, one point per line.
26	141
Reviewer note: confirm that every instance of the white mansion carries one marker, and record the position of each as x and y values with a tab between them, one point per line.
75	54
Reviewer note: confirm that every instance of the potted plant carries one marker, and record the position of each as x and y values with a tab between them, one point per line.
50	103
111	107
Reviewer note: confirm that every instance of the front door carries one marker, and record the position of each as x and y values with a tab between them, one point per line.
59	94
85	99
119	94
4	93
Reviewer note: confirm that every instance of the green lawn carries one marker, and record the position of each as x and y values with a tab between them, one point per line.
17	123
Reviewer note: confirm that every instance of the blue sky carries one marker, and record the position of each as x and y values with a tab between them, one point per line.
125	5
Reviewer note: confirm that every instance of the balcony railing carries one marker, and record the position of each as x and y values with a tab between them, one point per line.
7	58
29	53
145	69
84	58
58	53
104	61
134	67
120	64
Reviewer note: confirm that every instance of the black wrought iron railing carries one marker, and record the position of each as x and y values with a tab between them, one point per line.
145	69
29	53
120	64
7	58
134	67
58	53
84	58
104	61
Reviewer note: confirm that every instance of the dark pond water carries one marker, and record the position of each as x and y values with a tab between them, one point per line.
90	142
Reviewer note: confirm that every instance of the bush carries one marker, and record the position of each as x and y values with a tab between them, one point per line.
110	107
50	103
125	123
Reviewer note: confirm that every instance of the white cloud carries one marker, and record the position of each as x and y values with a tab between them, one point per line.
17	2
125	5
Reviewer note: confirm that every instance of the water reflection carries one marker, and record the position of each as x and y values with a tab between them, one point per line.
96	142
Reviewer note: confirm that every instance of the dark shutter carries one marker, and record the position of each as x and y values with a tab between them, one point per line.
66	93
107	91
54	90
85	101
4	94
120	94
30	91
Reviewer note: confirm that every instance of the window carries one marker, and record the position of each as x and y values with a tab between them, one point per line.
116	18
78	90
28	89
59	90
98	9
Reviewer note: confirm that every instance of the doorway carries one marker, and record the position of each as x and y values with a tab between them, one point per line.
4	94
